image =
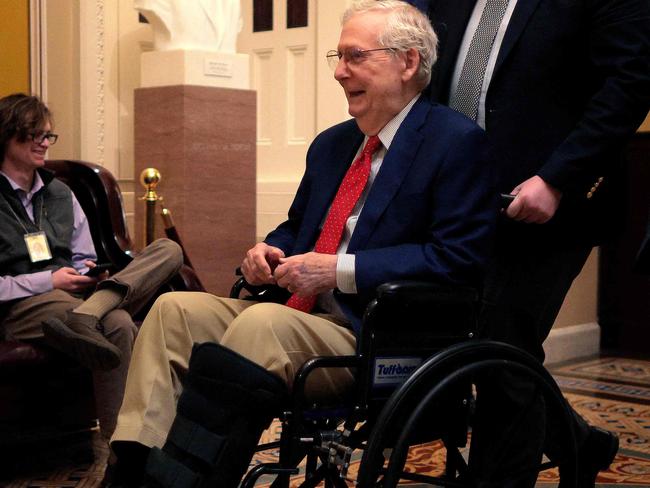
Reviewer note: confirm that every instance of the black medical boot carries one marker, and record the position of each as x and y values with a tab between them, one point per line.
226	404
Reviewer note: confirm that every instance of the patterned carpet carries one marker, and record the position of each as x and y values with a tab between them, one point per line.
610	392
615	393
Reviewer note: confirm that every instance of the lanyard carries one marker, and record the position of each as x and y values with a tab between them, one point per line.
36	242
40	215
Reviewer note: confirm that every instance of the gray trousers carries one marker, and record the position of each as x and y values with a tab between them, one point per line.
154	266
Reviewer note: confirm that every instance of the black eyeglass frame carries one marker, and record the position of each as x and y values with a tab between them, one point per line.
352	56
39	136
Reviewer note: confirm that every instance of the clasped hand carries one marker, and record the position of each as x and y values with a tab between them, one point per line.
304	274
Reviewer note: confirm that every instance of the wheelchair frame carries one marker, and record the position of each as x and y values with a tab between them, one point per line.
327	435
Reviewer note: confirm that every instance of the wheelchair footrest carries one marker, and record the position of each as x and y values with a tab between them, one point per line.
335	450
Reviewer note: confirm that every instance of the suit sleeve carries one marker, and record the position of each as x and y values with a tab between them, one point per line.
619	50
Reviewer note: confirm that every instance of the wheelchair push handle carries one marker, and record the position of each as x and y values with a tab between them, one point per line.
506	199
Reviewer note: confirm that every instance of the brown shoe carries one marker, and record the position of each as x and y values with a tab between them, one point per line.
80	336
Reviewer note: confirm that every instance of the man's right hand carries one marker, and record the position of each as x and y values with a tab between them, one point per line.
536	201
68	279
259	263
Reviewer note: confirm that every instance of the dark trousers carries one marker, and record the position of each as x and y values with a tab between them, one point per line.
524	290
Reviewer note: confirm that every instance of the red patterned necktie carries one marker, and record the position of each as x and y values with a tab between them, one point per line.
346	198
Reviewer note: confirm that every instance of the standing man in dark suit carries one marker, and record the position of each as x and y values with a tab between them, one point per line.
559	86
401	191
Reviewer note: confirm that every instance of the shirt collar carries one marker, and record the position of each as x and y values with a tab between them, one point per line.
37	185
387	134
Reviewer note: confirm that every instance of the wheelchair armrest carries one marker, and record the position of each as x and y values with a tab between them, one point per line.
418	315
408	293
263	293
320	362
409	301
240	285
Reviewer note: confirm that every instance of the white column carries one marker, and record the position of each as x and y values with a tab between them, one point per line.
99	104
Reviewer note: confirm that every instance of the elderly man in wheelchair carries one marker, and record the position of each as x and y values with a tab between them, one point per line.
400	192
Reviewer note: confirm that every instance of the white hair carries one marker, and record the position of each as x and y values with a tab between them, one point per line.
406	28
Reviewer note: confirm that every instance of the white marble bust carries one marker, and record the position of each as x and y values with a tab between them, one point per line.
203	25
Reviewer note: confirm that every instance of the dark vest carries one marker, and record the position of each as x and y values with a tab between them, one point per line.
52	212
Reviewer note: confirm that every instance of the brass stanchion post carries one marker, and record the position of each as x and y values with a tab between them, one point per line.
149	178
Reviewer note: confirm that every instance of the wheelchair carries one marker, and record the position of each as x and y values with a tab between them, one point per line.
417	362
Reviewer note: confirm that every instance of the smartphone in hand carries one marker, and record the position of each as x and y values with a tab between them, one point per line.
99	269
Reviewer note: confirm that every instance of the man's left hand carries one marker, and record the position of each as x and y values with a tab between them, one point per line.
535	203
307	274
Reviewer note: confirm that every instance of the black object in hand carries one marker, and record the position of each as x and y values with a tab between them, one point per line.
99	269
506	200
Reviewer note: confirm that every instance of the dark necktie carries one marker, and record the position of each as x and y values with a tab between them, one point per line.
346	198
468	92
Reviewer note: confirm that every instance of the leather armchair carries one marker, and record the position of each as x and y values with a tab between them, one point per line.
42	393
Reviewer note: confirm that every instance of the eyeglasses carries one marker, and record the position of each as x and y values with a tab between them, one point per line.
353	56
39	136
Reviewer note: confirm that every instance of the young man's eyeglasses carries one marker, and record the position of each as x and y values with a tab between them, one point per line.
39	136
353	55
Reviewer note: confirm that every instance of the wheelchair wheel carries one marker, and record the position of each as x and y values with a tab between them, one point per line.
432	386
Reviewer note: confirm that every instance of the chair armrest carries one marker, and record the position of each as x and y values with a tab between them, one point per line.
242	285
421	305
263	293
409	293
311	365
16	355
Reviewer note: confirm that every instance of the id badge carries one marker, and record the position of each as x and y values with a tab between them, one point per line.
39	249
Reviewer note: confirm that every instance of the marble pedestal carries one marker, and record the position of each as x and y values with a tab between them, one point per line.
202	140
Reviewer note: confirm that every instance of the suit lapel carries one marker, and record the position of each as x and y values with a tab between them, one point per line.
397	162
518	21
449	18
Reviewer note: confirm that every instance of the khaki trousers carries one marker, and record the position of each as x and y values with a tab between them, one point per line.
274	336
157	263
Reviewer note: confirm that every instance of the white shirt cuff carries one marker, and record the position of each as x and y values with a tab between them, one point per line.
345	280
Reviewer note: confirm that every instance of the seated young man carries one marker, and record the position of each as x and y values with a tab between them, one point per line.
401	191
46	251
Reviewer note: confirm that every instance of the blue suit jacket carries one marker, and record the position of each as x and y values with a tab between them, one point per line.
429	214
